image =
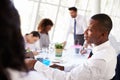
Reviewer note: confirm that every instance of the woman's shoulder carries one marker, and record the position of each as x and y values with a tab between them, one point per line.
43	34
31	75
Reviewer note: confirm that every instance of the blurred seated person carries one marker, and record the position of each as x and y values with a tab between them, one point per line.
102	64
30	40
12	65
44	27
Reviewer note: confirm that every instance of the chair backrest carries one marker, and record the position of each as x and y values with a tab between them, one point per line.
117	74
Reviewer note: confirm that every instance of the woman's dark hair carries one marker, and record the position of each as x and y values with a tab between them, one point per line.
43	25
11	41
35	34
72	8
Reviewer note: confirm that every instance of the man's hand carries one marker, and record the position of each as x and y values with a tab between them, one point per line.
83	51
35	53
30	63
57	66
64	43
29	55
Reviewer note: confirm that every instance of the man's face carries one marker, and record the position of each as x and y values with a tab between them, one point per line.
93	35
73	14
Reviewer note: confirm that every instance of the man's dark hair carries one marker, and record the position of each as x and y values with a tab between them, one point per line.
73	8
35	34
104	20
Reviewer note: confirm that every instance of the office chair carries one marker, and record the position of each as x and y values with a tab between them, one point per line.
117	71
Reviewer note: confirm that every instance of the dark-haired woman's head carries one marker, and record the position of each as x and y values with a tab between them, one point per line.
11	40
45	25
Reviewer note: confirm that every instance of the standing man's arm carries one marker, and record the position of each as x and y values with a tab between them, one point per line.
69	29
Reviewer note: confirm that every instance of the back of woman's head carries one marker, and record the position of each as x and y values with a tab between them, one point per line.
43	25
11	40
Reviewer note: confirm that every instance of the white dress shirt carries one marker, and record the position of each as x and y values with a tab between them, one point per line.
32	75
101	66
80	25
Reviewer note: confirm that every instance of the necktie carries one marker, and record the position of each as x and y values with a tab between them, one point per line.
74	29
90	54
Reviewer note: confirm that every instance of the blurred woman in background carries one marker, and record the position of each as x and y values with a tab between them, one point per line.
44	27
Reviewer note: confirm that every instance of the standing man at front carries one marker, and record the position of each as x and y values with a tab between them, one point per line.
78	24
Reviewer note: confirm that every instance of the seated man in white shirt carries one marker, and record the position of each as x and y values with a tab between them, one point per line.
101	66
30	40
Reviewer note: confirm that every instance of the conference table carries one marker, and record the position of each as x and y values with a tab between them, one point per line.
69	57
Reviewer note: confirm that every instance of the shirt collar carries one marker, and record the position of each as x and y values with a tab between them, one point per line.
99	47
76	17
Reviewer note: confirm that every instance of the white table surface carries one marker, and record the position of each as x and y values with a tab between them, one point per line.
69	57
